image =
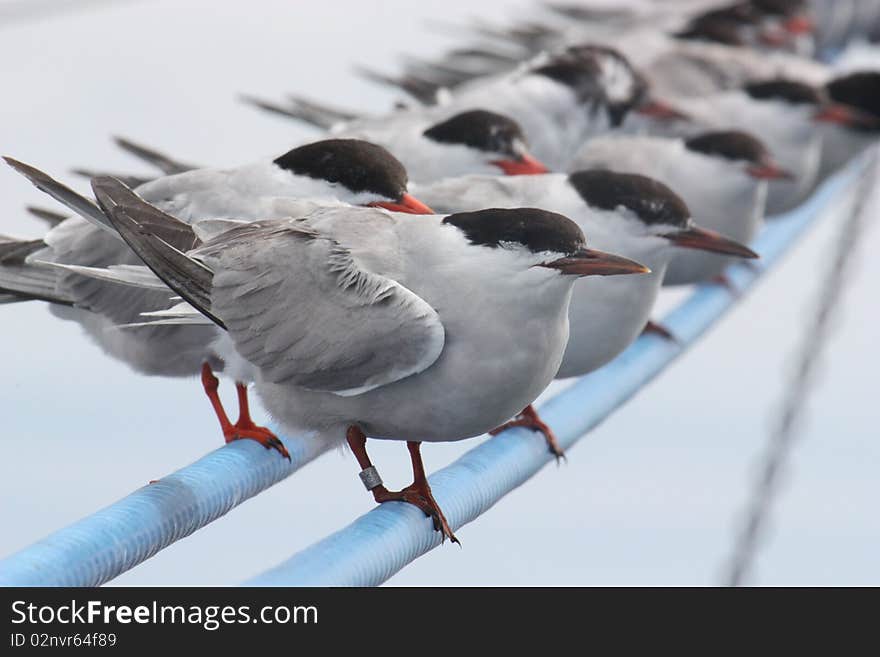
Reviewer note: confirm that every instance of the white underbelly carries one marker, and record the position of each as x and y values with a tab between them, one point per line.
606	316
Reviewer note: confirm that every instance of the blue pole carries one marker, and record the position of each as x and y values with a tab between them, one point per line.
380	543
119	537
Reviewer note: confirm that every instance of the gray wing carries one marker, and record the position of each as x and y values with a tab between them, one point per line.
20	281
75	242
300	306
296	303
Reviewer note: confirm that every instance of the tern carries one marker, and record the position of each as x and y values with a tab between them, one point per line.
339	171
721	176
394	343
430	144
623	213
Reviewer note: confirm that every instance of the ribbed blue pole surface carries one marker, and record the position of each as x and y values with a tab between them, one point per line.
380	543
122	535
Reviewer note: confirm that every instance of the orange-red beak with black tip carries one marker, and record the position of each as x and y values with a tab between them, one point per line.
708	240
800	24
524	165
769	171
589	262
409	204
658	109
845	115
775	37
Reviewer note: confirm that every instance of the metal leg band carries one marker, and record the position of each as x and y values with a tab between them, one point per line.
370	478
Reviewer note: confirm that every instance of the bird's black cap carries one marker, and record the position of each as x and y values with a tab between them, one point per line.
580	69
480	129
725	32
780	7
860	90
796	93
651	201
722	25
357	165
733	145
537	230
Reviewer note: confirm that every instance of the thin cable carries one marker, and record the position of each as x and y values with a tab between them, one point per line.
783	438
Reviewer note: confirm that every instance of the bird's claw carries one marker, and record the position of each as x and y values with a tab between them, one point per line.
529	421
655	328
260	434
422	499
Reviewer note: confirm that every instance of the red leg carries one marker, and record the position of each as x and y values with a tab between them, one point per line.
653	328
210	384
244	428
418	493
724	281
529	419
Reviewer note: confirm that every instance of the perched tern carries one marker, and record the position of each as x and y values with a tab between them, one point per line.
330	171
561	100
786	115
858	98
721	176
394	344
432	144
622	213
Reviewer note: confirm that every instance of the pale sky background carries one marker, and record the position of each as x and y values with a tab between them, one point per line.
654	496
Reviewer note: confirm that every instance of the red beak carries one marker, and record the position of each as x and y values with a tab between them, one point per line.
659	109
801	24
408	204
844	115
526	165
769	171
708	240
774	38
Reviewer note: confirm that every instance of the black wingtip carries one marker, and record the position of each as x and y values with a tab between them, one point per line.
24	169
39	179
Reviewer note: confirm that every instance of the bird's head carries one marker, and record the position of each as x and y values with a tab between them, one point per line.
479	141
798	101
604	80
645	217
349	170
857	96
734	151
545	244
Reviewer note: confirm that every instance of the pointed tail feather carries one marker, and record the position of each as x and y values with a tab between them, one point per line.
49	216
63	194
156	238
130	181
167	165
292	111
424	91
22	281
133	275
